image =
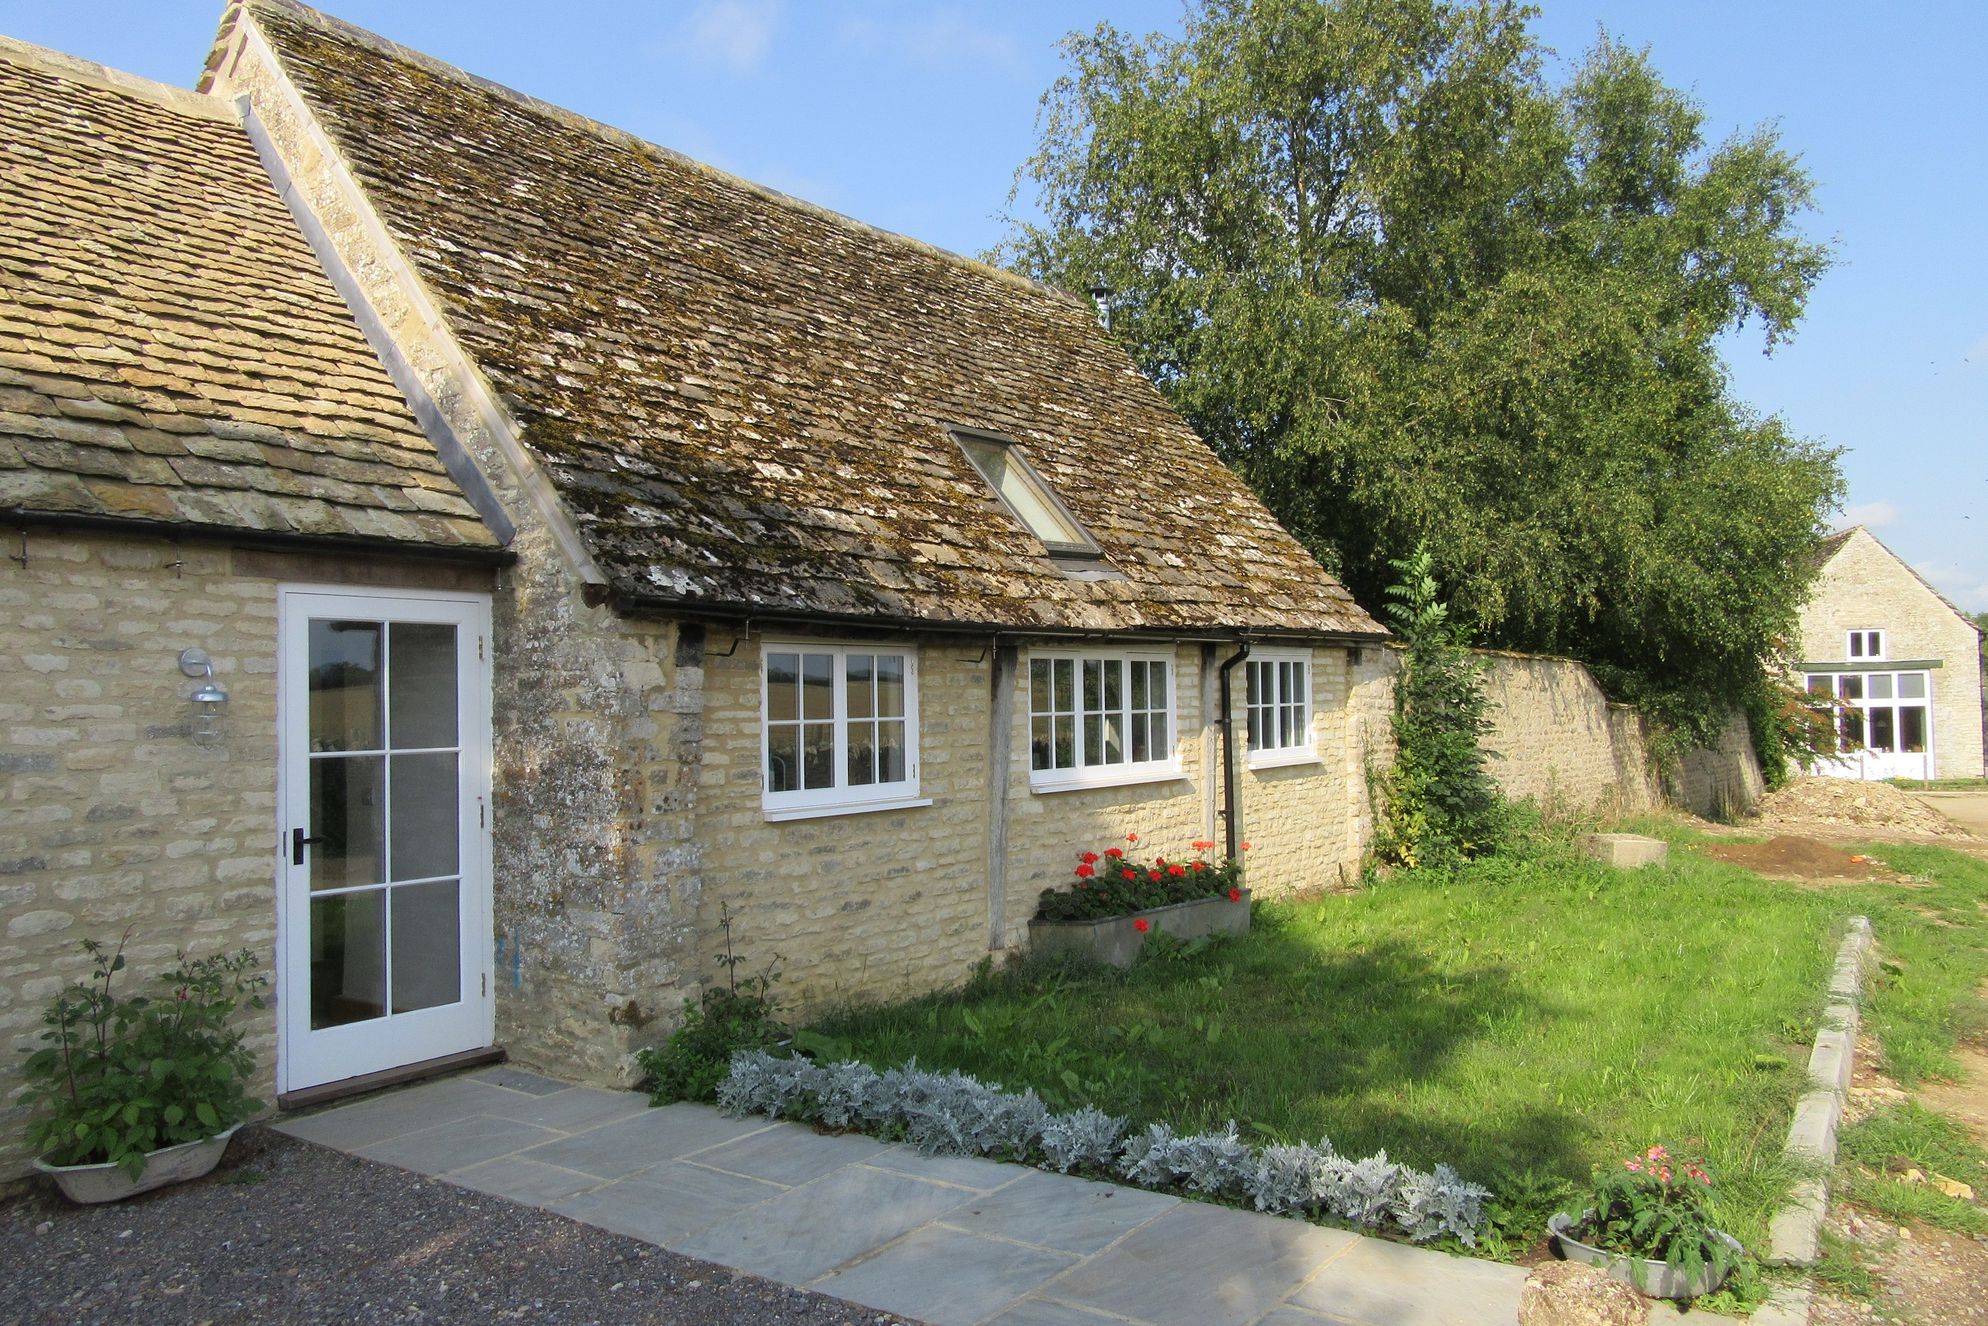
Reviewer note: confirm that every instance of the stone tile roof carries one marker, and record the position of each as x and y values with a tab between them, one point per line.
742	398
170	350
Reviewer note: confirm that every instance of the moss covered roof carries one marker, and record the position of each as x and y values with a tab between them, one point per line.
743	399
170	350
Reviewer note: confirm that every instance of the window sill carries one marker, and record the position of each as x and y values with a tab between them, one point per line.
777	814
1078	781
1285	759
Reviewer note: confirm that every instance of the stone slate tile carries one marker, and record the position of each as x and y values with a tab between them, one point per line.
572	1109
525	1181
1390	1284
1200	1265
965	1171
517	1079
945	1277
811	1230
1057	1211
1043	1312
667	1204
788	1154
616	1150
456	1144
392	1114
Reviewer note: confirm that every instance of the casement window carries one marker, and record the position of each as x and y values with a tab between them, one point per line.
1025	493
1865	645
1279	707
1883	712
1099	718
840	726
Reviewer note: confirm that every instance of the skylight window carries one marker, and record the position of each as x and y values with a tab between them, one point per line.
1025	494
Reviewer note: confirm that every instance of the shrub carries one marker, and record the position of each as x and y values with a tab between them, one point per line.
118	1076
1114	883
738	1015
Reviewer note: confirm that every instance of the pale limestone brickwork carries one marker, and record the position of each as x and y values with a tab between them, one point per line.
1862	585
113	815
1558	739
1300	819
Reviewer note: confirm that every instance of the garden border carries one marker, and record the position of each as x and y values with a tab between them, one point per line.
1795	1236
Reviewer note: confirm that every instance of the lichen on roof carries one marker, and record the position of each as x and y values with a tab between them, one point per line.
744	400
170	351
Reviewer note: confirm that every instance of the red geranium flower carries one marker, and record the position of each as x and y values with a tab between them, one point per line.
1235	895
1200	865
1114	852
1089	858
1141	924
1131	837
1176	870
1154	875
1245	845
1201	845
1130	874
1086	871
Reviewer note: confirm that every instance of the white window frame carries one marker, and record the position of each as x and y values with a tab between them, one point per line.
841	798
1126	772
1305	749
1869	639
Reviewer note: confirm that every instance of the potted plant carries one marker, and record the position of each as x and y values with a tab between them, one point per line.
1117	901
136	1092
1651	1224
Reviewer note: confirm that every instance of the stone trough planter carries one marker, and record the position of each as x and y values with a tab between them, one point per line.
109	1183
1117	939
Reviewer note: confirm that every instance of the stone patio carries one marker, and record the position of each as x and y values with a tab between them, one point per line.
951	1241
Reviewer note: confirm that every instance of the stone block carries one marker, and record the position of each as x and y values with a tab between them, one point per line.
1625	851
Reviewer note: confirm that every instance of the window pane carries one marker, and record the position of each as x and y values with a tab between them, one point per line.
817	686
1114	738
1821	683
427	946
783	686
1161	741
1158	682
348	958
421	709
859	669
1880	685
1255	728
1039	742
1039	685
783	758
1093	737
1066	685
890	686
890	752
817	755
1912	685
862	754
1114	685
345	686
427	832
1912	729
1856	644
1850	722
1284	725
1093	685
1852	686
1138	685
347	801
1141	732
1066	744
1881	729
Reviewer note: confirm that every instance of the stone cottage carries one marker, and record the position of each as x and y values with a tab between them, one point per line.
1900	662
678	550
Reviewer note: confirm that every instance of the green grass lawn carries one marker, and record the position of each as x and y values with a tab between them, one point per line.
1524	1022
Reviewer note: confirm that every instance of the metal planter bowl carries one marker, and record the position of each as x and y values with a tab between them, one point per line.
1655	1279
110	1183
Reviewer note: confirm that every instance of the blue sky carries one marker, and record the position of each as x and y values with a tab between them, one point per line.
914	116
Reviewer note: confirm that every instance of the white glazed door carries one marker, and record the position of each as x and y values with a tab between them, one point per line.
384	862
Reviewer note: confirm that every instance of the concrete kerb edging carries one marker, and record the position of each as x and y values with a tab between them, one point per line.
1795	1236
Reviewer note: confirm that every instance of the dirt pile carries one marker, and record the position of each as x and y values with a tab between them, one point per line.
1847	808
1789	857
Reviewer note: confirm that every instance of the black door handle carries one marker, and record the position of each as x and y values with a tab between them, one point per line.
297	841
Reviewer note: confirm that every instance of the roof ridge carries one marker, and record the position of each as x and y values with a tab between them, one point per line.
75	70
600	128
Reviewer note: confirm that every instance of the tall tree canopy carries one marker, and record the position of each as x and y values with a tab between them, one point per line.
1416	295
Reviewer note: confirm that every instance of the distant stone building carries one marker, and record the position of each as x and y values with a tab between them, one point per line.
1901	663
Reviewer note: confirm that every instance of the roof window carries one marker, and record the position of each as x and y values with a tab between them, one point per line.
1025	493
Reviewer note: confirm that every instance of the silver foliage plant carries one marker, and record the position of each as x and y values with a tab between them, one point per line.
954	1114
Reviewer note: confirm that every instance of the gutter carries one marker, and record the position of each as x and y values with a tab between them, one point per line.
1227	722
259	539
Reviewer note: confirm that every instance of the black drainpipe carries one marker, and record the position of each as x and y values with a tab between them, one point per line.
1229	749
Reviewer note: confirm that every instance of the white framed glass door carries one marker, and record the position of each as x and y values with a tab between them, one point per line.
384	798
1884	723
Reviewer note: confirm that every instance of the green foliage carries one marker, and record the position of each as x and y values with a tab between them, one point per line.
1113	883
1657	1208
1417	295
120	1075
1440	806
741	1014
1882	1148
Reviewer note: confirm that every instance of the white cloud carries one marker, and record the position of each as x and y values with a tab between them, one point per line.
1975	358
937	39
1966	586
734	33
1871	515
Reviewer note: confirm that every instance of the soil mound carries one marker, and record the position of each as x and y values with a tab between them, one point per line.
1789	857
1846	807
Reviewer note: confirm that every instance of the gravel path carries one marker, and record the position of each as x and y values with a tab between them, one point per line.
287	1232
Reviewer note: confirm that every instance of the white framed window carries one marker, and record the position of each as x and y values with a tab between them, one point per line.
1279	707
1882	712
1866	645
1100	718
839	728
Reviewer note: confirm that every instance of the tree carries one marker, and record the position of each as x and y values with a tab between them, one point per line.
1417	296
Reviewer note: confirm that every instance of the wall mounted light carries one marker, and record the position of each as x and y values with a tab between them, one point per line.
210	698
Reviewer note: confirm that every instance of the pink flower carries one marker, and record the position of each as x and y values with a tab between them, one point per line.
1633	1166
1664	1174
1658	1153
1141	924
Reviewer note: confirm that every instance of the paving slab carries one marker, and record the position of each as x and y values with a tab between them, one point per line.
573	1110
667	1204
1060	1212
963	1171
1376	1283
1202	1265
789	1156
518	1079
457	1144
616	1150
945	1276
817	1227
1037	1311
393	1114
524	1181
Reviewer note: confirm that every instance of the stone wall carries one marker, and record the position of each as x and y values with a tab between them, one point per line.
1560	741
1303	821
1865	587
114	815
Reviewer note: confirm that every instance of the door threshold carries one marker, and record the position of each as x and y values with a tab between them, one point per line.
389	1077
